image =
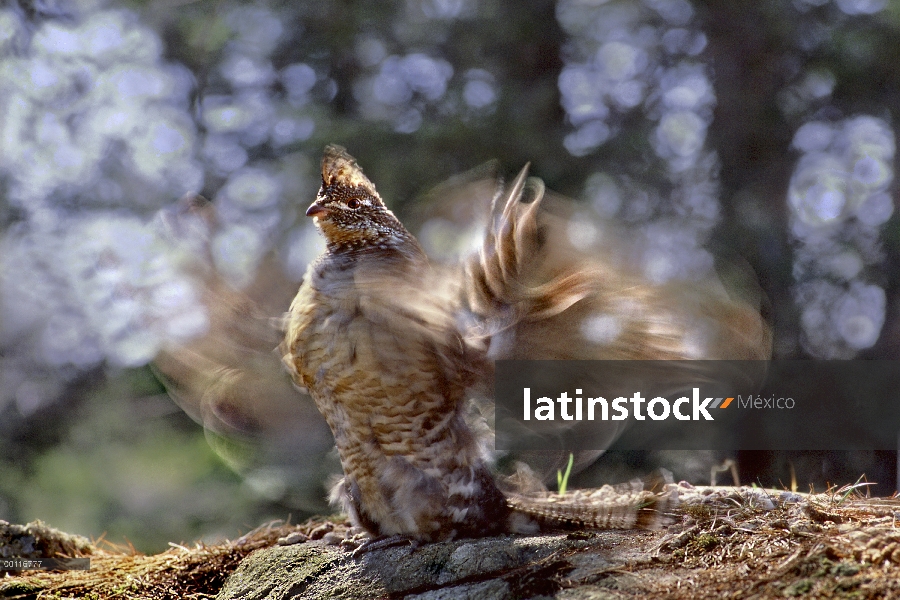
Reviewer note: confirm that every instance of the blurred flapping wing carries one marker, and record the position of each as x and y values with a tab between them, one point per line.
231	379
533	291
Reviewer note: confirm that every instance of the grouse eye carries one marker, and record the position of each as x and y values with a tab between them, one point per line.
353	203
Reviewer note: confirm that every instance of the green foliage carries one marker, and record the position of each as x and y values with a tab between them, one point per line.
562	479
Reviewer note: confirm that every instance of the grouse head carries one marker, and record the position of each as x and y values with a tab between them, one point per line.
350	212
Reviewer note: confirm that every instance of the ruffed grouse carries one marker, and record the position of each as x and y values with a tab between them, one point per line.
388	367
391	346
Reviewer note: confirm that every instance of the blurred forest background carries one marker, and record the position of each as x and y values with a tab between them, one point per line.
761	129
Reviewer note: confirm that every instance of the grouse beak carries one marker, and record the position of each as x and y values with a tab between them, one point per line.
316	210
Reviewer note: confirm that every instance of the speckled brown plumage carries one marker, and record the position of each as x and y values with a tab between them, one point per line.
388	368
